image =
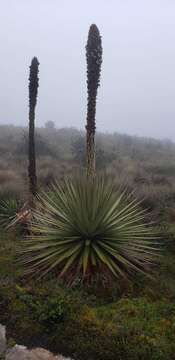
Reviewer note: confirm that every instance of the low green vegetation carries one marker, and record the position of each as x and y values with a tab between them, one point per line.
117	320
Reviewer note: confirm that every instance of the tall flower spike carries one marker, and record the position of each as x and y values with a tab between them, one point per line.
33	92
94	61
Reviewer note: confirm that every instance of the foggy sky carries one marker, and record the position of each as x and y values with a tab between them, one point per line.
137	93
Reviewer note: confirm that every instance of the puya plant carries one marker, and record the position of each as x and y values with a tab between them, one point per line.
94	61
86	226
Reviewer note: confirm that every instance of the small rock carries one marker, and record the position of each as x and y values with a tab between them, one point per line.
41	354
2	339
60	357
22	353
18	352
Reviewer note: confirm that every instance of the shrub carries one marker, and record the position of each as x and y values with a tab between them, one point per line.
49	311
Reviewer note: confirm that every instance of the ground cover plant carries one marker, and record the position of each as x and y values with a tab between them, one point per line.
128	320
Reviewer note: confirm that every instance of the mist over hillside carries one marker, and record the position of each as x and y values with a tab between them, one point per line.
144	165
69	143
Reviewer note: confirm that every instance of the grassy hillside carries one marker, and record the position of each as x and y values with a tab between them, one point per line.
145	165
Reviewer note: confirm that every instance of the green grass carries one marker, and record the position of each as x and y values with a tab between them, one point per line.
127	321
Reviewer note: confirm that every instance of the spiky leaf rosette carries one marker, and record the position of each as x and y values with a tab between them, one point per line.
84	227
8	211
